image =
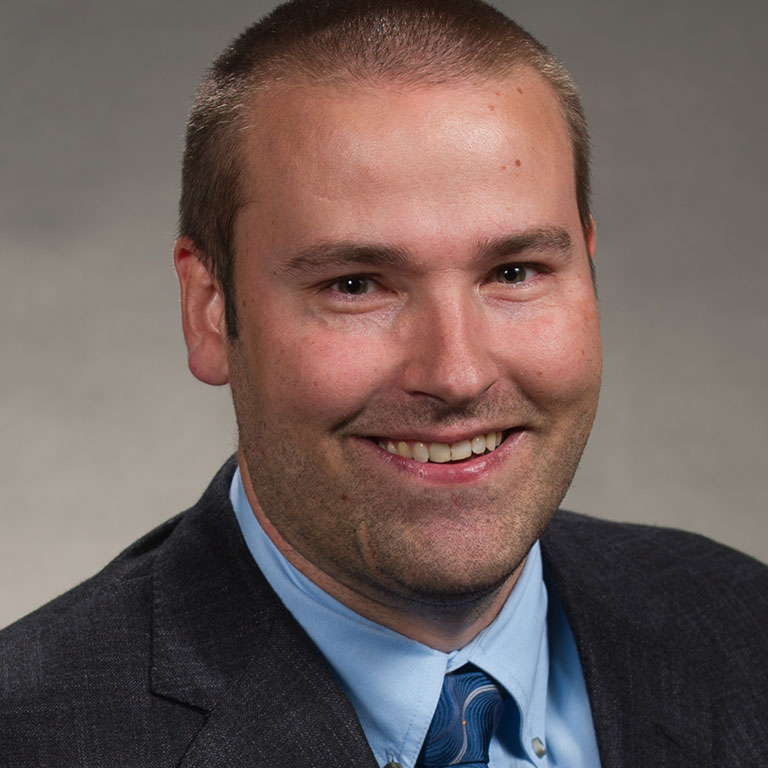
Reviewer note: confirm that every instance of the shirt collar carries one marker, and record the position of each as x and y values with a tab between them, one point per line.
394	682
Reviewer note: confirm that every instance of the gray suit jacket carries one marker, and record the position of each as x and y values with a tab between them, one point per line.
179	654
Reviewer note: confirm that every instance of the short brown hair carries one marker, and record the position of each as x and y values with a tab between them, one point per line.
343	41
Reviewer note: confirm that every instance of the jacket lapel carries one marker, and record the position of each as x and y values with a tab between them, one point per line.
223	643
641	676
284	709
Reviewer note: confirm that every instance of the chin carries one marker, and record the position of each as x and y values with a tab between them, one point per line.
460	585
450	563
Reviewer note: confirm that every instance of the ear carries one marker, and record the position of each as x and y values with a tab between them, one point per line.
202	315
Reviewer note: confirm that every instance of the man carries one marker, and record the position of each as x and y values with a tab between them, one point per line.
387	252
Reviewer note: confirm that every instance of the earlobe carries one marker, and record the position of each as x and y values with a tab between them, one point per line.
591	236
202	315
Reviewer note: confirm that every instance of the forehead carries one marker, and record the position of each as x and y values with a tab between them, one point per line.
349	154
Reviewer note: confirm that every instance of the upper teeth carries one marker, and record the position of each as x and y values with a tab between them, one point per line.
442	452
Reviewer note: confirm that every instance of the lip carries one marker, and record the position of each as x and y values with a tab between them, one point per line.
471	470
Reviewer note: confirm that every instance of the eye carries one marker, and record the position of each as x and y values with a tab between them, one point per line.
354	285
512	273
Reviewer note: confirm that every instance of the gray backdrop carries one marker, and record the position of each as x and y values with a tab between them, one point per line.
105	433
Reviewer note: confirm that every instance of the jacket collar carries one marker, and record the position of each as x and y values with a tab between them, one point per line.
223	643
641	676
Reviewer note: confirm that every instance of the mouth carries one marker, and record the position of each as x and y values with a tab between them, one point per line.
424	451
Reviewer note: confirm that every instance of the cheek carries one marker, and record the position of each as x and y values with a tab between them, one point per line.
324	373
561	359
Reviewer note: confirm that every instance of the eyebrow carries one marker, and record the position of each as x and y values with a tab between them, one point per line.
551	239
341	255
324	256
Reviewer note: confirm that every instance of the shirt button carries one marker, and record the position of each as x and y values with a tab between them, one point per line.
538	747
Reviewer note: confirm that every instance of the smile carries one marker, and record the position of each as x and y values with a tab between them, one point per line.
442	453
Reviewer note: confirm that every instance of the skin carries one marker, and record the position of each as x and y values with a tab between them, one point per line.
372	274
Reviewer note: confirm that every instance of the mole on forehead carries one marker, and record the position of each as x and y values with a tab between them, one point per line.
329	136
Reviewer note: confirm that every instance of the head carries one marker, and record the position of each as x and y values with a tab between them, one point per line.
410	330
372	41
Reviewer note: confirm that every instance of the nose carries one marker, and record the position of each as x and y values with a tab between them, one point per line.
449	353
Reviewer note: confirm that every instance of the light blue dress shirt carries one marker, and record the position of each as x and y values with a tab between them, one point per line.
394	682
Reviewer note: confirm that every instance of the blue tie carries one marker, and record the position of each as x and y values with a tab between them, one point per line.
467	714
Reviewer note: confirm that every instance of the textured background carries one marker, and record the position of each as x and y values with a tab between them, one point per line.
104	433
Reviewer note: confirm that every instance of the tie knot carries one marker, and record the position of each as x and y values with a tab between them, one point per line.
467	714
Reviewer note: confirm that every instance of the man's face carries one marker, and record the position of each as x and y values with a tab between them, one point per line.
411	275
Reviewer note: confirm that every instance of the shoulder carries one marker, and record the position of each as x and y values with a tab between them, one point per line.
78	670
679	608
114	601
658	573
652	558
75	669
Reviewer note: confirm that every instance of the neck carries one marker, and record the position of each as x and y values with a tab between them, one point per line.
445	625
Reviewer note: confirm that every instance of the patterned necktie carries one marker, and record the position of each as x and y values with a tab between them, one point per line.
467	714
